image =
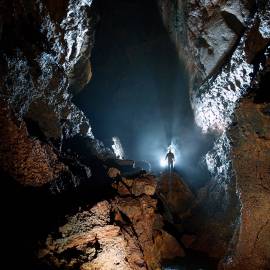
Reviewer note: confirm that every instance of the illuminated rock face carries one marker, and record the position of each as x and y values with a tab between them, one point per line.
39	68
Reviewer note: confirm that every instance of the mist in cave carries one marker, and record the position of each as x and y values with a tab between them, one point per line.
139	90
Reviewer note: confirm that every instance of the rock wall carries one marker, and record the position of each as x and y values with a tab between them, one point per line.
205	32
40	57
224	45
26	159
45	53
250	158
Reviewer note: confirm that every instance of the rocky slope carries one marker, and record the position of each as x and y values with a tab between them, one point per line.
123	233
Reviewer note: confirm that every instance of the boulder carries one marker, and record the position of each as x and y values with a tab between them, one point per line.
88	241
145	184
167	246
125	233
175	194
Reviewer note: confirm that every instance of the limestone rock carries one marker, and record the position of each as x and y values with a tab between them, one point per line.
145	185
92	243
204	32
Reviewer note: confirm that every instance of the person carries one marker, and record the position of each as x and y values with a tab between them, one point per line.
170	158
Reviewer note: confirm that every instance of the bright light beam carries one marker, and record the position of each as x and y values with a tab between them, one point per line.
163	162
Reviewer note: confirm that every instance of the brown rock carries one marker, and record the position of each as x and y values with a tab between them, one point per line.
123	189
175	194
255	43
138	186
145	185
27	160
113	172
93	243
167	246
133	239
251	159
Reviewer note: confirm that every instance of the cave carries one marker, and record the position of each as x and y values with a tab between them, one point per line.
134	135
133	97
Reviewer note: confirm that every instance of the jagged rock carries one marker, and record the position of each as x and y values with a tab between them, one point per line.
145	185
232	203
88	241
126	233
38	68
139	214
46	58
176	194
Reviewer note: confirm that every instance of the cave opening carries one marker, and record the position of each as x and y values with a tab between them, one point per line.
139	90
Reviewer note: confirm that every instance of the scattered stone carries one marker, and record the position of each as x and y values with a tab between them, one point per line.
113	173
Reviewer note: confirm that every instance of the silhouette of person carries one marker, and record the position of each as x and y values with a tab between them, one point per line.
170	158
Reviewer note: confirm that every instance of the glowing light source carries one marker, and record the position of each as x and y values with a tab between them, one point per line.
163	162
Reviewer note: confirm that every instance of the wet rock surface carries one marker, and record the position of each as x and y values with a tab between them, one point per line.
39	122
37	70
